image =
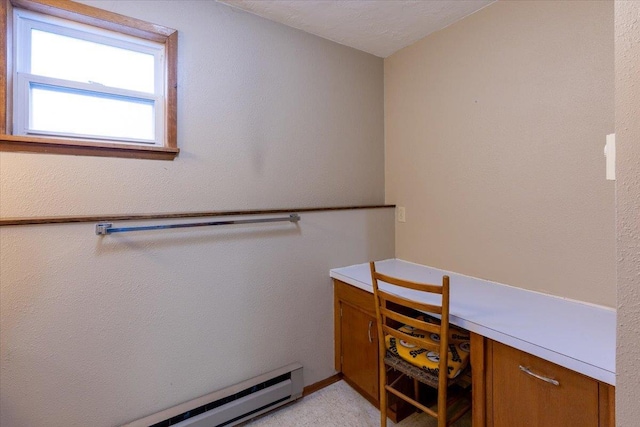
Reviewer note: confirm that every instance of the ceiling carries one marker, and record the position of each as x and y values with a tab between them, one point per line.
379	27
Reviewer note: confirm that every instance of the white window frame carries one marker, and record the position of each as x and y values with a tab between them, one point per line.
25	21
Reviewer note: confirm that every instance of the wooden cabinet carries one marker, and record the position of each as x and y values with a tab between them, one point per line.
360	349
503	394
523	390
356	339
356	346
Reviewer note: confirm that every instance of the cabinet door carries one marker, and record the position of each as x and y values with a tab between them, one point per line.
360	349
522	400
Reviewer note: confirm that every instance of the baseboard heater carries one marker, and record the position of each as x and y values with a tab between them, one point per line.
232	405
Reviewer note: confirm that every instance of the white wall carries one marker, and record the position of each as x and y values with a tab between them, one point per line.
98	331
268	116
628	211
494	134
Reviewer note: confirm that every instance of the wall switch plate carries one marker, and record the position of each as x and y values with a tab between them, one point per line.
610	154
401	214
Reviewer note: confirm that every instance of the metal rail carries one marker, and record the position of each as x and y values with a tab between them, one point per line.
105	228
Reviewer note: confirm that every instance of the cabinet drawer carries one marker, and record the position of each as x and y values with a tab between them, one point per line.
531	392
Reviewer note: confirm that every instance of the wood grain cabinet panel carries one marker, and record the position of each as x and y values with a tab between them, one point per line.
360	350
526	399
356	339
356	346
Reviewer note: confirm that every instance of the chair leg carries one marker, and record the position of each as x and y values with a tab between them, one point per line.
416	390
383	408
442	407
383	396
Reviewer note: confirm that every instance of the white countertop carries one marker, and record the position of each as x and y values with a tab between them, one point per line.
573	334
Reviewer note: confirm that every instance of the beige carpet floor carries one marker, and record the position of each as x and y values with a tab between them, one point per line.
340	406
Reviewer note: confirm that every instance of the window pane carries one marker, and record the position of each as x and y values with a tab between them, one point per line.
66	111
63	57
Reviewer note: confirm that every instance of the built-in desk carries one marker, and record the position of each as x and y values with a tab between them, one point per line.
574	335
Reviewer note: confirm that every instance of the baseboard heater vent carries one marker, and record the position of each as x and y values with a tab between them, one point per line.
232	405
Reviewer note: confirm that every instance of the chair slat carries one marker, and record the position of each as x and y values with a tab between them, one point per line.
419	324
417	341
424	287
412	401
420	306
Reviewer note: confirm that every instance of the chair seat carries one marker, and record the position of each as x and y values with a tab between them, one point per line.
429	378
428	361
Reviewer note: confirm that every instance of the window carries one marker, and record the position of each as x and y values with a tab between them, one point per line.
80	80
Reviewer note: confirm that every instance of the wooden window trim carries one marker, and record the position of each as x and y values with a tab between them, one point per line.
99	18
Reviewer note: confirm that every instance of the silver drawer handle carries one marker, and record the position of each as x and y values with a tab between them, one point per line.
369	331
540	377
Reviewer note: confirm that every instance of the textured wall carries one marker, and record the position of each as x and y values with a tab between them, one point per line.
98	331
628	211
495	128
268	116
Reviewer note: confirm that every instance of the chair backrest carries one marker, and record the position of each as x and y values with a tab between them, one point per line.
397	312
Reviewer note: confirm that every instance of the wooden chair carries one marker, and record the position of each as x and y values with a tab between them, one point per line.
393	312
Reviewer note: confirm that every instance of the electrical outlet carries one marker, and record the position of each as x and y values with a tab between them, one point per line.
401	214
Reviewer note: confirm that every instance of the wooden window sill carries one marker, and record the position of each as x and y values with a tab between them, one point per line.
84	148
